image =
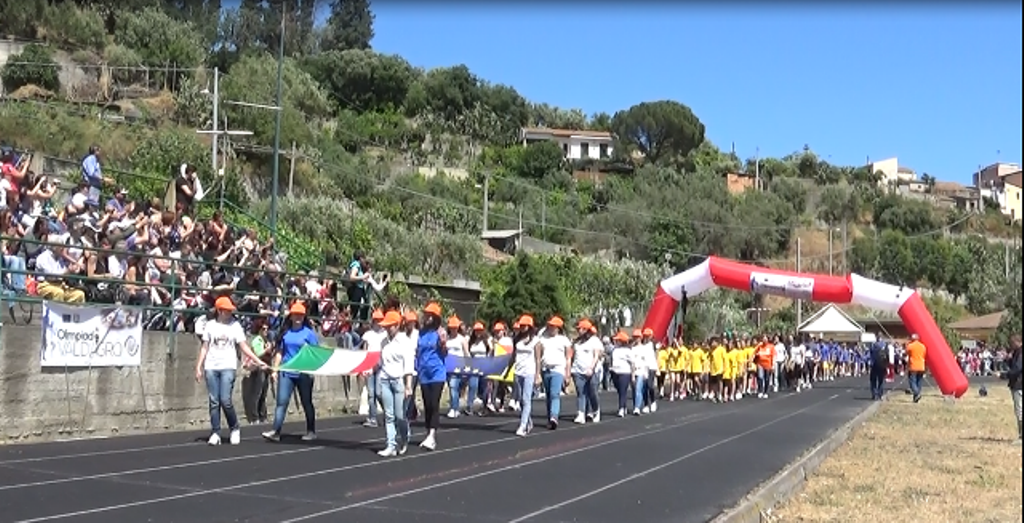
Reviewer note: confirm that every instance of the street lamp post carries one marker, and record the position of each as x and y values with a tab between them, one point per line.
277	130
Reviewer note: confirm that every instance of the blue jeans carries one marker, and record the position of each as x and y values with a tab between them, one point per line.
915	379
454	391
586	394
553	399
877	382
525	386
15	263
639	391
396	427
219	385
764	380
473	391
372	394
621	382
286	384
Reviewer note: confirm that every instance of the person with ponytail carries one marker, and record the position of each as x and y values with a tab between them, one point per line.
479	347
588	350
525	364
499	385
297	333
554	353
431	371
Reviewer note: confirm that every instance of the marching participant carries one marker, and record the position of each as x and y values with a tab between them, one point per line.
395	384
621	368
479	347
588	350
456	345
431	371
299	333
217	363
525	363
499	385
555	353
645	361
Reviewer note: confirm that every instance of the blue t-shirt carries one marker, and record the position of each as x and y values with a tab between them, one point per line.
293	341
429	359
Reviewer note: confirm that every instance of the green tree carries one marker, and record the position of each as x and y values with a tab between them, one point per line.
160	40
361	79
349	26
34	65
523	287
446	92
1010	324
658	130
896	262
792	192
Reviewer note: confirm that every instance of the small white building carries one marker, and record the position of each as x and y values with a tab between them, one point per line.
576	145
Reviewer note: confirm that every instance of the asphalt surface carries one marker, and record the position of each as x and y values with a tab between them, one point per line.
685	463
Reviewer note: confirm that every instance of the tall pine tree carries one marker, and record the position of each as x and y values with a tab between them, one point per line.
350	26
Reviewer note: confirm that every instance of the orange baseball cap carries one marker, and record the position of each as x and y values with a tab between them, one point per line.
637	333
224	303
377	315
648	332
525	321
584	325
555	321
478	326
297	308
411	316
432	308
500	326
454	322
621	336
391	319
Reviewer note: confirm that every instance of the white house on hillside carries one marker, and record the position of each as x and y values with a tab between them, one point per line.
891	172
576	145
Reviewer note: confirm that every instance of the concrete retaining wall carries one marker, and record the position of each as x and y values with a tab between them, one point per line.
162	394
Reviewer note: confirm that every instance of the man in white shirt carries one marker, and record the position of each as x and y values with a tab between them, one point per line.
780	364
52	268
798	360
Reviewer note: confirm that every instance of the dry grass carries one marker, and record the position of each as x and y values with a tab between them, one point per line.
930	462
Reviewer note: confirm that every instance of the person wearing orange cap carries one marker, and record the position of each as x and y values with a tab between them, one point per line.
587	349
621	368
499	390
525	364
395	375
217	363
372	341
479	347
455	345
644	361
652	385
408	336
555	353
431	371
297	333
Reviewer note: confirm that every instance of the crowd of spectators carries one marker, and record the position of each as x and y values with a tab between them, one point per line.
87	240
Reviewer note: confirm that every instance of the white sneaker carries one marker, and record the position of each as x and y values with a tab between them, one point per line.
403	449
429	443
309	436
521	432
646	410
388	453
452	414
622	413
654	407
580	419
236	437
214	439
271	436
596	417
636	412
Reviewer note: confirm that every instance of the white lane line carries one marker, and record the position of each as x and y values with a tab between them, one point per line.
150	469
523	464
187	495
665	465
114	452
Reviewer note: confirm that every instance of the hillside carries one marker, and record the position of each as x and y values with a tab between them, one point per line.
362	128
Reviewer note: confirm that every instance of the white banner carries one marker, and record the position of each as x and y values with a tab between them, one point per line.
91	336
786	285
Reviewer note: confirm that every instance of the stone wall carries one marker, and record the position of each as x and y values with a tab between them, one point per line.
160	395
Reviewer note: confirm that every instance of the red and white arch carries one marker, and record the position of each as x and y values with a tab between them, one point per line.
717	272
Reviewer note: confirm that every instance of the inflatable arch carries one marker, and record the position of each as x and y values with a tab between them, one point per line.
717	272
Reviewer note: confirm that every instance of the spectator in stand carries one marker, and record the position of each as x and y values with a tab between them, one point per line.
14	168
185	188
92	176
53	268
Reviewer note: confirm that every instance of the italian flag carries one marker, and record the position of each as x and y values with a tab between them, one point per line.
328	361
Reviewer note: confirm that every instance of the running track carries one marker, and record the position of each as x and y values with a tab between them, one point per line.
685	463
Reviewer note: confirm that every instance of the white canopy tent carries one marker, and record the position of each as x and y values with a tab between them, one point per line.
832	322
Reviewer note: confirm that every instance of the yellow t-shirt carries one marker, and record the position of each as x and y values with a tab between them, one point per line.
730	363
684	359
697	357
718	355
735	357
748	357
663	356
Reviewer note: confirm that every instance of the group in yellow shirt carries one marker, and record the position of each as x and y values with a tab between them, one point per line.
720	369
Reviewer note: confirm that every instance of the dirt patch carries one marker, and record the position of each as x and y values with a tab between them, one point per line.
32	92
933	461
162	104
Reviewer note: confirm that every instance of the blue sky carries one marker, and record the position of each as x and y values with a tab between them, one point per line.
938	85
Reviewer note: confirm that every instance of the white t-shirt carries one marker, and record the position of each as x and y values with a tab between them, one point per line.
622	360
780	353
408	344
555	350
798	354
222	341
456	346
525	364
478	349
5	187
645	359
374	339
396	361
585	355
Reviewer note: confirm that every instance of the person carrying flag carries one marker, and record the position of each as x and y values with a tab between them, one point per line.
395	385
479	347
298	333
499	384
456	345
431	371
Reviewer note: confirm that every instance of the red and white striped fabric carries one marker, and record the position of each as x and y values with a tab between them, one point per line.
858	290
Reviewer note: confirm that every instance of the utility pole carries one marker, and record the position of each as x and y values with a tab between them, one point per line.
830	229
799	303
277	130
216	116
291	170
487	197
757	168
845	228
1006	261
